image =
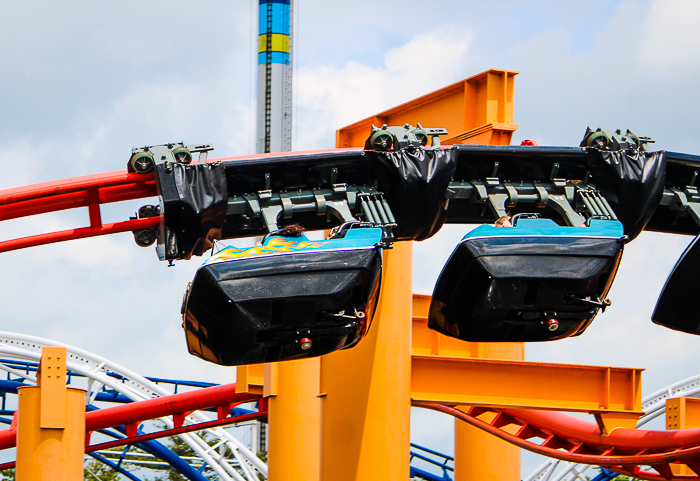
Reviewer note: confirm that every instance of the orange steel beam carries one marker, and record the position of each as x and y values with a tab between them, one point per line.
525	385
477	110
478	454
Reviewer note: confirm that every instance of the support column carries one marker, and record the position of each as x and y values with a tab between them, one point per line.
294	420
682	413
51	424
366	389
479	455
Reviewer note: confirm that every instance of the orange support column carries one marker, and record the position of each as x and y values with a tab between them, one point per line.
482	456
365	411
51	424
366	389
294	418
478	455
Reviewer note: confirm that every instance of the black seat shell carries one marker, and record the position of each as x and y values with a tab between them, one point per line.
259	309
507	289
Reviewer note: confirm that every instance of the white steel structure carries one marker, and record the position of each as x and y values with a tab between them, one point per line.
137	388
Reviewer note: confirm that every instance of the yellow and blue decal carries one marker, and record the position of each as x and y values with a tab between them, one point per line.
355	239
278	11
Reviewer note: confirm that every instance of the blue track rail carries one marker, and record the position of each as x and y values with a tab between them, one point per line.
114	466
605	475
434	458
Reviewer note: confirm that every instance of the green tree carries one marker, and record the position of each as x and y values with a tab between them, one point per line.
179	447
95	470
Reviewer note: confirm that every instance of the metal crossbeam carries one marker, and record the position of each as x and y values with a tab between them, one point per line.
345	203
525	385
571	200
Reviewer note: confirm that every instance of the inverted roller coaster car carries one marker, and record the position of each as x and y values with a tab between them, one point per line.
677	306
535	281
288	298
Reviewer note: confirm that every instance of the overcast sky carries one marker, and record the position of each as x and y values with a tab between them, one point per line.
83	82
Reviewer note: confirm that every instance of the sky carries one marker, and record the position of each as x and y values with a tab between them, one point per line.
81	83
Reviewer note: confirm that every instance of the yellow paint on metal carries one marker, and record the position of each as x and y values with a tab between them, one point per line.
488	134
366	390
426	342
529	385
294	420
51	424
280	43
477	110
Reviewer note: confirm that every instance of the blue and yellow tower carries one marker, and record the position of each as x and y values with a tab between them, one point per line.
274	119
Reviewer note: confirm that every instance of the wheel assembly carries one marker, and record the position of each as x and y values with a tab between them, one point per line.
141	162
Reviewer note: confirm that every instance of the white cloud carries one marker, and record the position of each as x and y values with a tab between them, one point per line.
331	97
636	73
669	38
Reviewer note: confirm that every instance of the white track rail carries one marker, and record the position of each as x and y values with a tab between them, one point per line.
653	406
136	388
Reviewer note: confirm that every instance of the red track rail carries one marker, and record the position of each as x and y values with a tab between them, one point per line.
88	191
178	405
571	439
161	434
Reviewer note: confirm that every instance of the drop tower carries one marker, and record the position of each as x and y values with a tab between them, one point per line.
274	117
